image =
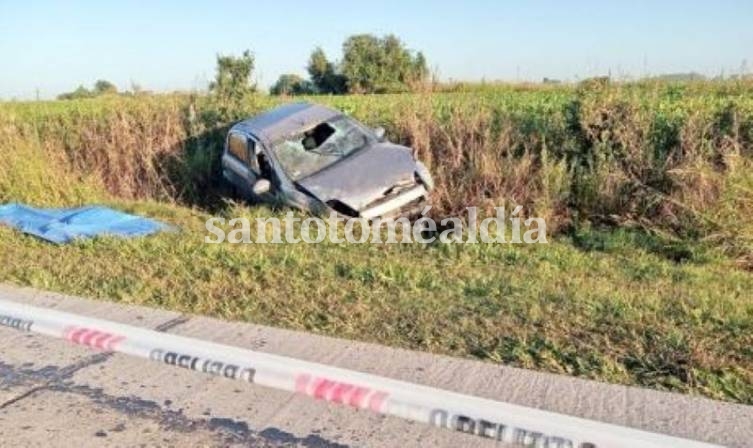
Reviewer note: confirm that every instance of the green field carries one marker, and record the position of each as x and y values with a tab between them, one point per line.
647	189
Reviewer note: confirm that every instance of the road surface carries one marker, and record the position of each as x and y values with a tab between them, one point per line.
54	393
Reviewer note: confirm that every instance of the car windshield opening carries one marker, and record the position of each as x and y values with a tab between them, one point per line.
305	153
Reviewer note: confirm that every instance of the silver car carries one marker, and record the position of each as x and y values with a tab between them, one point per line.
316	159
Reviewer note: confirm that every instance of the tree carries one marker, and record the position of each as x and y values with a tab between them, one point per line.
420	67
291	84
233	78
378	65
103	87
80	92
324	75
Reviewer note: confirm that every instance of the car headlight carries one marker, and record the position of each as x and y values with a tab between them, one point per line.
424	176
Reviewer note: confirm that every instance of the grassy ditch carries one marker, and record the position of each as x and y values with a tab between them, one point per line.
647	190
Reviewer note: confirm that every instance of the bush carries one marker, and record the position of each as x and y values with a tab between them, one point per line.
101	87
290	84
380	65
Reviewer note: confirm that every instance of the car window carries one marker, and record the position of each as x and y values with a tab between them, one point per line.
237	146
308	152
244	150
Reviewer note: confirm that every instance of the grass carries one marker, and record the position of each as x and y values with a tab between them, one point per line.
612	306
647	189
670	157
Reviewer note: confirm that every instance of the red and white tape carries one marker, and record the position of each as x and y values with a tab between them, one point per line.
505	422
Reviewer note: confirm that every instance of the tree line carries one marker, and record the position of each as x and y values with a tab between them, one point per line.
101	87
369	64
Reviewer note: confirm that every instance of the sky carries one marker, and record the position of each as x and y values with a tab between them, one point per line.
48	47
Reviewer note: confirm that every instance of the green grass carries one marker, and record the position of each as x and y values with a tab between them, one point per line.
612	306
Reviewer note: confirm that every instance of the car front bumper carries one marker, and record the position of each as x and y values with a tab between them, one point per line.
402	204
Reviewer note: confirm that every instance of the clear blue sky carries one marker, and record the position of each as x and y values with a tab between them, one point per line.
55	46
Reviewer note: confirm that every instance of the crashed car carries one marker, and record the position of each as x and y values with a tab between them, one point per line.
319	160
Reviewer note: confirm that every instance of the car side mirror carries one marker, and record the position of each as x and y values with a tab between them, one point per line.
262	186
379	133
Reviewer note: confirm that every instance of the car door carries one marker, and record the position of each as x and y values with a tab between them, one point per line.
239	164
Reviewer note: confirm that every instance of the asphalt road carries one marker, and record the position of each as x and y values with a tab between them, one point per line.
54	393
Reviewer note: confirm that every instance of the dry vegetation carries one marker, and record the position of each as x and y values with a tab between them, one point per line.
648	186
663	157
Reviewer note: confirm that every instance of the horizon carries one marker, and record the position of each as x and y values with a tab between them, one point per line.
169	47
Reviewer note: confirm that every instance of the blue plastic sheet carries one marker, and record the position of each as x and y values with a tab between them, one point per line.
62	225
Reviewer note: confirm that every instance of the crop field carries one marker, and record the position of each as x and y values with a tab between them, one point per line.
647	190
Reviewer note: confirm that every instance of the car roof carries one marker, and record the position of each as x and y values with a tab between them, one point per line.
285	120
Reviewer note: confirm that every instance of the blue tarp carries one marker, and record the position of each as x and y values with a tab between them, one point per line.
61	225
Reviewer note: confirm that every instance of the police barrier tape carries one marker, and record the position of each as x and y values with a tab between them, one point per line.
505	422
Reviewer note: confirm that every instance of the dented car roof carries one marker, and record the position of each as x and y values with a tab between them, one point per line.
286	120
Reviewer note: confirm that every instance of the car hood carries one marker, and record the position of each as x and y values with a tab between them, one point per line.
363	177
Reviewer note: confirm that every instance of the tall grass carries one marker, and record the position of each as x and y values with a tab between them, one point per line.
671	158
